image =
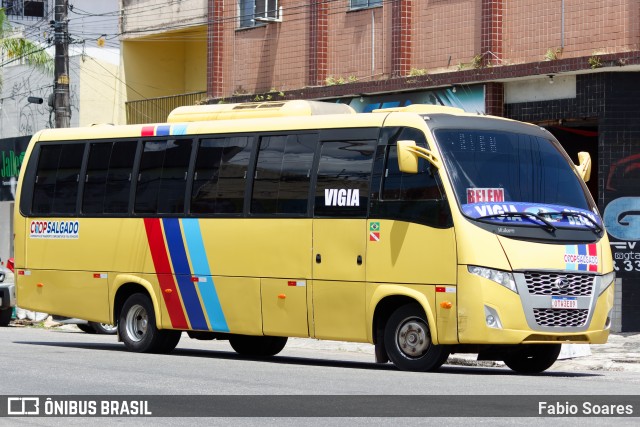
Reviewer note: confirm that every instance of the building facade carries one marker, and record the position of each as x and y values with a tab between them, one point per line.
95	86
572	66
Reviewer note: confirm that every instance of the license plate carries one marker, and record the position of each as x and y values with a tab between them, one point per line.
564	302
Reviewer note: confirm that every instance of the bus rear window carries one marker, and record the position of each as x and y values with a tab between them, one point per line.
56	184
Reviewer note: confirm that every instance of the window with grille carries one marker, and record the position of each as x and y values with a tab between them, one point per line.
254	12
363	4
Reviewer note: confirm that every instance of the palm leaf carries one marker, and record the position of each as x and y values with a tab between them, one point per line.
15	47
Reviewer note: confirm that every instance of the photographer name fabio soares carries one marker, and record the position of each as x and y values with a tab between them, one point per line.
584	409
423	230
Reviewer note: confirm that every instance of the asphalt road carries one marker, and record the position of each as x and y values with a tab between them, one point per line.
65	362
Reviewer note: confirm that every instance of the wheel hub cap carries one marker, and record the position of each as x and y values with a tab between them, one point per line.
137	322
413	338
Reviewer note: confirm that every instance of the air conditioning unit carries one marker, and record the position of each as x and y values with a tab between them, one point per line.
268	11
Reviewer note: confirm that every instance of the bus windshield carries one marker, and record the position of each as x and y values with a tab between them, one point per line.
516	178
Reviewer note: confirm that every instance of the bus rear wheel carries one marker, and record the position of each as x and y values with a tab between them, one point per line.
533	358
137	327
257	346
408	341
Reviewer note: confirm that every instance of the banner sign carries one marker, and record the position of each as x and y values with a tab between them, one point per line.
559	216
11	155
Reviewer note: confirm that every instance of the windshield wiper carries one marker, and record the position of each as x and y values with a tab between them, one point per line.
547	225
592	224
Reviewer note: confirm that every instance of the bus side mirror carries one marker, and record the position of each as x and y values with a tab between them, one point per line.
408	154
584	166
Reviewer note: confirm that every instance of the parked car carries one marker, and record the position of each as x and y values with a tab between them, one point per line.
87	326
7	295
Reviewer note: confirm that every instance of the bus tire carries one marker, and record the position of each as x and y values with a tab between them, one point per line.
5	316
533	358
137	327
408	341
257	346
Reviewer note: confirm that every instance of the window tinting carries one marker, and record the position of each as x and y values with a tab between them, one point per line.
408	186
281	184
162	178
95	181
344	173
108	178
411	197
116	199
56	187
526	168
220	175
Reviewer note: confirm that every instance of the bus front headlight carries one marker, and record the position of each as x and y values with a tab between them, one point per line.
605	281
503	278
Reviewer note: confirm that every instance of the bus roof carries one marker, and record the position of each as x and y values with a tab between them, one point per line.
254	110
262	116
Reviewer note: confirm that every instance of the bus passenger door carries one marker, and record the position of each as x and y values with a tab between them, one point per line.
411	236
339	240
281	240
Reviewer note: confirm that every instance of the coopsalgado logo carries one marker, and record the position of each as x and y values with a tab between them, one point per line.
54	229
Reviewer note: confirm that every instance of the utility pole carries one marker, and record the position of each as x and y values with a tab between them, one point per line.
62	108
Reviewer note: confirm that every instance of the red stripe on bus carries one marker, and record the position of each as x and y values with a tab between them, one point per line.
148	131
163	271
592	250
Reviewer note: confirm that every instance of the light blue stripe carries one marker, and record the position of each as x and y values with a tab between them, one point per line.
200	267
179	130
570	250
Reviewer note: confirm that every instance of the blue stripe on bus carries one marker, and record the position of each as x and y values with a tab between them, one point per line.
582	250
183	274
163	130
200	265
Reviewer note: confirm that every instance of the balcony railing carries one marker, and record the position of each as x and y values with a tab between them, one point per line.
156	110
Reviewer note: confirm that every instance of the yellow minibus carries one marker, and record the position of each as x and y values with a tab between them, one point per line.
424	230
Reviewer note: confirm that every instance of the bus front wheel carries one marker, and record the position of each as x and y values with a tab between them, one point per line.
532	358
138	331
257	346
408	341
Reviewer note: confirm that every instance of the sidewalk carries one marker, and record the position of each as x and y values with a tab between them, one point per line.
620	353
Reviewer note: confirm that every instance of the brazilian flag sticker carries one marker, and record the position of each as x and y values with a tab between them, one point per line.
374	226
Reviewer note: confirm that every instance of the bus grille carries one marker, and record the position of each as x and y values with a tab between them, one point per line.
560	318
548	284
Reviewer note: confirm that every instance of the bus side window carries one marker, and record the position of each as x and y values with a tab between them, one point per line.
344	175
281	183
413	197
405	186
96	178
220	175
119	177
56	186
108	179
162	176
